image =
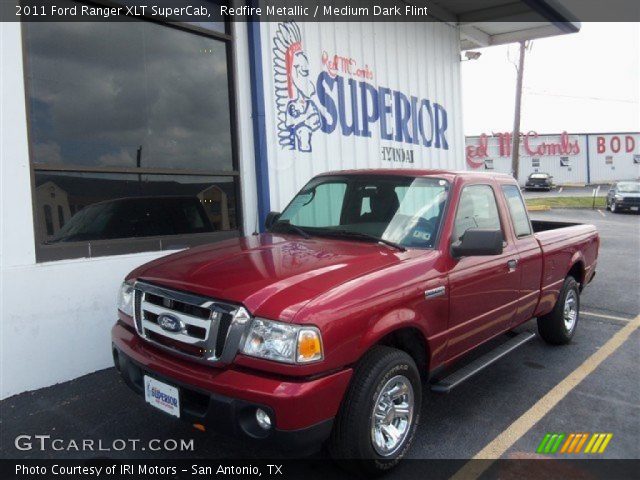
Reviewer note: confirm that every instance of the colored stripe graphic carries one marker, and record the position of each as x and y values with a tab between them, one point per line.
568	442
574	442
543	443
582	440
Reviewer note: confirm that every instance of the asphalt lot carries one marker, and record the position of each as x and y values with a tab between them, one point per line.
454	426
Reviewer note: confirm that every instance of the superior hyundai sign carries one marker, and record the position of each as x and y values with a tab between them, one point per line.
359	95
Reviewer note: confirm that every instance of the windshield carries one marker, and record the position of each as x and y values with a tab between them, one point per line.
404	210
539	175
629	187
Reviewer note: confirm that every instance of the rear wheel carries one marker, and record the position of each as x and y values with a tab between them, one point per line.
559	326
380	412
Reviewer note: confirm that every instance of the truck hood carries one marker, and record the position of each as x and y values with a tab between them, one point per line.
273	275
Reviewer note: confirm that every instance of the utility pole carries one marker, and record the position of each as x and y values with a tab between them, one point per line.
515	150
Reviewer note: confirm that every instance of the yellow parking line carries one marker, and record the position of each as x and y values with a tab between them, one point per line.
496	448
611	317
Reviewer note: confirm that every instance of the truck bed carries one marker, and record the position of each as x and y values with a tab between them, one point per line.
544	225
564	244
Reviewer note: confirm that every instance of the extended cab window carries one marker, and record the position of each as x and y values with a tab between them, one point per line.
477	209
517	210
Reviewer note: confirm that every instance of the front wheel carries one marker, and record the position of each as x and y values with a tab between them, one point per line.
380	412
559	326
613	207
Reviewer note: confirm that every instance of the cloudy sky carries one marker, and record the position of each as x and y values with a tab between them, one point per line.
585	82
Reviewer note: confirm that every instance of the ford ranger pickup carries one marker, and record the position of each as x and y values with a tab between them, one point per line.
368	286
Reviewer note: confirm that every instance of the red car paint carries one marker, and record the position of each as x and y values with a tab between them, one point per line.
357	293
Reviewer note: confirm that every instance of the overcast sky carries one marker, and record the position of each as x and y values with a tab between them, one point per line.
584	82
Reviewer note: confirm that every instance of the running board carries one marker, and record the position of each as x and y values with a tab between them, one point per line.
456	378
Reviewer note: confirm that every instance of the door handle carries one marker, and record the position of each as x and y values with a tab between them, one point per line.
512	265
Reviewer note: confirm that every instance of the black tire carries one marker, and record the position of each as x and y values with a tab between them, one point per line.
552	327
351	441
607	207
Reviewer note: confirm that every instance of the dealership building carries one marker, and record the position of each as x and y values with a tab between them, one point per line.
572	159
126	141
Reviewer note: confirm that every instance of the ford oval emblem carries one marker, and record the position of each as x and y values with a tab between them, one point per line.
170	323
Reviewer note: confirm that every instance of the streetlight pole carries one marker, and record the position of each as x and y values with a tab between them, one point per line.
515	148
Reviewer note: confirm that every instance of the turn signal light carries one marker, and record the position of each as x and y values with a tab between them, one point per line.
309	346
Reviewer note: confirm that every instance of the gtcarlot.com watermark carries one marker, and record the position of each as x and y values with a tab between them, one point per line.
47	443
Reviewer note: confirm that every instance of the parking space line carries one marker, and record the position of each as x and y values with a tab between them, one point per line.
601	212
610	317
499	445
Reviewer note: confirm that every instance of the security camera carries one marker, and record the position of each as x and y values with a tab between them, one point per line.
472	55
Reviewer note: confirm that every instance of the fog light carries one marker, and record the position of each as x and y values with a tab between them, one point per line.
263	419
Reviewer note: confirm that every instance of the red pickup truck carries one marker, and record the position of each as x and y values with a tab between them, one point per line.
369	285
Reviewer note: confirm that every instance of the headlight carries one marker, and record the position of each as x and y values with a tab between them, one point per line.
125	299
283	342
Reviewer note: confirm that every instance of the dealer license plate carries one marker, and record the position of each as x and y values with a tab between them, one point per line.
162	396
635	209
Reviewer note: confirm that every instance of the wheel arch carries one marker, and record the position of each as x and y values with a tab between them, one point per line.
577	269
408	338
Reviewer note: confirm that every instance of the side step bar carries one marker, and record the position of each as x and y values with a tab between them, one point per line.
456	378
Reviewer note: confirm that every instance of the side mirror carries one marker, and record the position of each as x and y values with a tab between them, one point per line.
478	242
272	217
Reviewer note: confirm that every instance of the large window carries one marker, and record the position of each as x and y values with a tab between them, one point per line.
131	136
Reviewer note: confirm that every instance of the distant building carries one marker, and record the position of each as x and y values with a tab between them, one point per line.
587	158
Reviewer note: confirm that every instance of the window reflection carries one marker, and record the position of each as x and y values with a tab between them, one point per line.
127	94
109	206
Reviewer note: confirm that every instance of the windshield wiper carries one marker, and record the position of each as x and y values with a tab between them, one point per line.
363	236
292	227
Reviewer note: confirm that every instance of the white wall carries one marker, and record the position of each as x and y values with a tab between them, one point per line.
620	150
417	59
55	317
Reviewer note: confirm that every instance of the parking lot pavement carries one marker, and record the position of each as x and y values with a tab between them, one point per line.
458	425
569	191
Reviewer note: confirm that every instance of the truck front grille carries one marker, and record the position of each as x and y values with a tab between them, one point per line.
202	329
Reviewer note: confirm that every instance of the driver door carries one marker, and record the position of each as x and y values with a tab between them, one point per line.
483	289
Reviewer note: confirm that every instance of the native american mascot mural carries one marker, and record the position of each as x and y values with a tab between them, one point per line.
298	115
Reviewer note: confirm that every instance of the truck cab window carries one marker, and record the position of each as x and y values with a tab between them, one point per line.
477	209
517	210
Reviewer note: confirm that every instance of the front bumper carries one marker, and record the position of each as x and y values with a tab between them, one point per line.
534	186
627	204
225	400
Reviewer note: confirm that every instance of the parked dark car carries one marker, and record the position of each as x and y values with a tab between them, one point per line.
539	181
624	196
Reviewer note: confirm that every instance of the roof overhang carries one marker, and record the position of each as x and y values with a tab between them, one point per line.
485	23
